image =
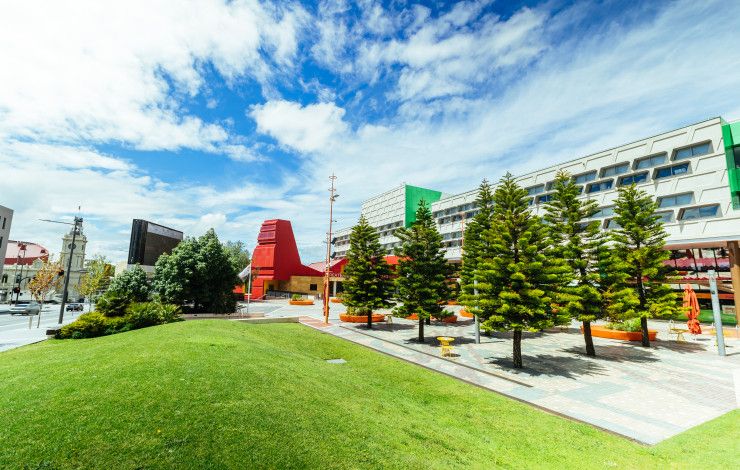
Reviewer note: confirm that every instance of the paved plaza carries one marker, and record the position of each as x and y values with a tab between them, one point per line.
645	394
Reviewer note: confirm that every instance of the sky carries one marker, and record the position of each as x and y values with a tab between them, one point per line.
210	113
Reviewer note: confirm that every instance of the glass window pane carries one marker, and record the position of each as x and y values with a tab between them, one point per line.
683	153
708	211
736	151
665	217
683	199
651	161
580	179
679	169
536	189
701	149
616	170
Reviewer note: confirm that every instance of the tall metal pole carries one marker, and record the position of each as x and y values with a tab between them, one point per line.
78	222
716	312
328	249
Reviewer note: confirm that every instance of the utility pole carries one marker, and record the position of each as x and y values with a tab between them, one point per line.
327	267
77	226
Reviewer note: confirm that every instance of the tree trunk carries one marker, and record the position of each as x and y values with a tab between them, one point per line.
518	349
590	351
370	320
645	337
421	330
428	320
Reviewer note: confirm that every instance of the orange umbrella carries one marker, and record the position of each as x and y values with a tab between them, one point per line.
691	303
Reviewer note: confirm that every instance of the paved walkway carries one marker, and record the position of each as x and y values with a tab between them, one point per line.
14	330
645	394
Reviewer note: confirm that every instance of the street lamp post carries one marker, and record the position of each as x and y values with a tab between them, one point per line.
77	225
332	197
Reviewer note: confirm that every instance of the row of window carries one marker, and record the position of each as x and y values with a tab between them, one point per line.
641	163
454	210
688	213
627	180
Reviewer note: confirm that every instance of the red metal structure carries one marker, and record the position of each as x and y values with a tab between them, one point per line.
276	258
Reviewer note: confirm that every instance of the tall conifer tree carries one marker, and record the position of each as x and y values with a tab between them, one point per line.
638	249
422	269
579	242
519	282
474	246
367	283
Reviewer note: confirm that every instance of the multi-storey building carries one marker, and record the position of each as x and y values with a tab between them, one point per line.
693	172
6	219
388	212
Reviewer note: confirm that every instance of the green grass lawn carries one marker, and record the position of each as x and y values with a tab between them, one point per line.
706	316
219	394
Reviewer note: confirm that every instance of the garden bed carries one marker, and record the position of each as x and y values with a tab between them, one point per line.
376	318
447	319
603	332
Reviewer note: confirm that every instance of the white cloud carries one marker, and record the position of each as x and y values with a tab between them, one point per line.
305	128
99	71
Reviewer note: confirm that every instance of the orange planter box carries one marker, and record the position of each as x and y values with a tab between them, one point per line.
452	302
449	319
376	318
335	300
603	332
300	302
466	314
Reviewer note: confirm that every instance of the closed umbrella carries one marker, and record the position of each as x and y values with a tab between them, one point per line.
691	303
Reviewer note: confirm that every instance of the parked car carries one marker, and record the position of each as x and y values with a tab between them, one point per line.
74	307
30	308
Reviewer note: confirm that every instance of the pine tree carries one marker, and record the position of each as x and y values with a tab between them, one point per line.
519	282
474	246
638	247
422	269
580	244
367	281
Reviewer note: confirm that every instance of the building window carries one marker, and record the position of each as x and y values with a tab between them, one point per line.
735	151
699	212
671	171
615	170
611	223
604	212
676	200
600	186
313	287
637	178
540	188
651	161
544	198
585	177
693	151
666	217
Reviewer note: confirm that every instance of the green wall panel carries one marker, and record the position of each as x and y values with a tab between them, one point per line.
731	139
414	194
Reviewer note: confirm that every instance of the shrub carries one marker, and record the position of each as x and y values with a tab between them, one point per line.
633	324
138	315
113	304
88	325
296	297
143	314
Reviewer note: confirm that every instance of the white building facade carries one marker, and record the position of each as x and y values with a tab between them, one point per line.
693	172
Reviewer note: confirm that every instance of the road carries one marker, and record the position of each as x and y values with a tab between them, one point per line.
14	329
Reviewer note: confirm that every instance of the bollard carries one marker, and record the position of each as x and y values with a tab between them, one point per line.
719	331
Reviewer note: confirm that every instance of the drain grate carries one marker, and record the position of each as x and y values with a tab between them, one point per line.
336	361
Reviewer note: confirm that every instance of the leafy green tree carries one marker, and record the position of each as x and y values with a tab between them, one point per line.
422	269
367	282
96	279
518	282
238	253
131	283
638	249
579	242
199	270
474	245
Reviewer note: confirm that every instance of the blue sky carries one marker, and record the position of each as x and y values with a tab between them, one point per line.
219	114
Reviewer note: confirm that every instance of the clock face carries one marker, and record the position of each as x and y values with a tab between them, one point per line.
70	246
